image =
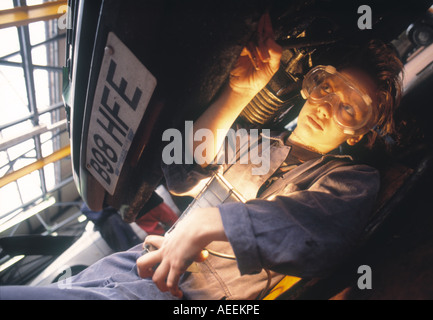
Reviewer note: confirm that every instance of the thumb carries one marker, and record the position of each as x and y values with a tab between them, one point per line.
275	52
154	240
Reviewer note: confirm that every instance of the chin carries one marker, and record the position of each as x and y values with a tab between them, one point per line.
306	133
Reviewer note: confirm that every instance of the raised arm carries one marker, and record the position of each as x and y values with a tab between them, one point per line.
255	67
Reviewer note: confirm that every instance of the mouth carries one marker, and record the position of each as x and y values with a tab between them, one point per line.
314	123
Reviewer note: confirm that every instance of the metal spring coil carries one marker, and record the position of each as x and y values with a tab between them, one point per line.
262	107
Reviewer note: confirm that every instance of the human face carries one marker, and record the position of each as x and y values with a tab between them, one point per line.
318	129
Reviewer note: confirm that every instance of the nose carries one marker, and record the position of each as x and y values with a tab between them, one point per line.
324	110
325	107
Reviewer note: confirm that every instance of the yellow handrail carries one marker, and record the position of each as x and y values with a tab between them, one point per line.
23	15
39	164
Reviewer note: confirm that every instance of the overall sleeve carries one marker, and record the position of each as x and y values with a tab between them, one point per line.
304	233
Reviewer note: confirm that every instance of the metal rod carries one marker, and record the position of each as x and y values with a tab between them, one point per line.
50	109
42	221
37	165
56	188
57	37
23	155
57	226
7	143
35	66
26	54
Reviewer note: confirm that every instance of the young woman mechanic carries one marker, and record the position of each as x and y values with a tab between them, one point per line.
307	212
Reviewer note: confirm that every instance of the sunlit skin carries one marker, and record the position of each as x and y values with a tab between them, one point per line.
316	129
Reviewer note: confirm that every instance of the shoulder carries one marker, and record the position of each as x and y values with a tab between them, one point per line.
346	174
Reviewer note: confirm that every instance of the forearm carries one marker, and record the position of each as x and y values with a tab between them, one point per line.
255	67
201	227
218	119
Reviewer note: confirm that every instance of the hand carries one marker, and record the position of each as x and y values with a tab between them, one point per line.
258	62
180	248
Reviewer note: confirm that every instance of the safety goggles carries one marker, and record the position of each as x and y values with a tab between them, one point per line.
352	110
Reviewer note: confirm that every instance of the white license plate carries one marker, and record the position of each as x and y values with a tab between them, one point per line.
122	95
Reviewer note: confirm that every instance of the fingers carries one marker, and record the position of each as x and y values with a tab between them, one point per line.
164	274
172	282
160	276
275	52
154	240
264	32
146	263
264	50
268	31
268	54
253	54
166	277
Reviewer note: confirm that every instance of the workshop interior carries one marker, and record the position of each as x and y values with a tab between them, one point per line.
71	193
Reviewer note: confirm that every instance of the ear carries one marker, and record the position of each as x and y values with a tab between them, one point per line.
354	140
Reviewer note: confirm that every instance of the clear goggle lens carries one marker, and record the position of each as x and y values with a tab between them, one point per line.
351	109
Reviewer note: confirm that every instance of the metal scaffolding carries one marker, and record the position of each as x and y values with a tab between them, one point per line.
21	17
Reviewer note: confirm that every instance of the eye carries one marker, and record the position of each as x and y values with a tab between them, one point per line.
325	88
349	110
